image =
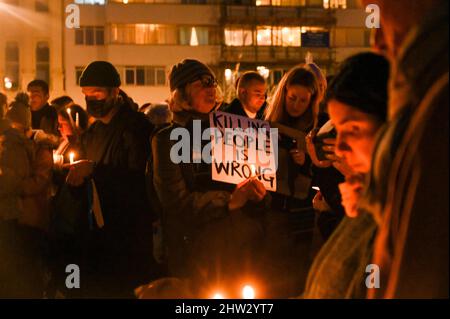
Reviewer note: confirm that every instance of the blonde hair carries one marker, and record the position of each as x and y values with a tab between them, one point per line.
180	99
298	75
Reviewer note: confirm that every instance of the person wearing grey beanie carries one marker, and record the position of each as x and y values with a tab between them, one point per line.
187	71
188	195
193	87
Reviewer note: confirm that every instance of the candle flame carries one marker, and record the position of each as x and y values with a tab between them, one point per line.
71	157
248	292
253	169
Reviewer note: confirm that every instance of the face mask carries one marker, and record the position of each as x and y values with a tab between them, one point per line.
99	108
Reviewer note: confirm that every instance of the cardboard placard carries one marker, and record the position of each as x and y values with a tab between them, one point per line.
242	148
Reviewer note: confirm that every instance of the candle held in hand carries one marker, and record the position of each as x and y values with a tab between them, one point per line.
71	157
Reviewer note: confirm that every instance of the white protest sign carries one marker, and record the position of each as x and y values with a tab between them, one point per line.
242	148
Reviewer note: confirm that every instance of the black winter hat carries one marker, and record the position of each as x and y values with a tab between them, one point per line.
100	74
361	82
187	71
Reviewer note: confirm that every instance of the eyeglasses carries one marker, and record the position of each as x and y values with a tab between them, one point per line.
207	81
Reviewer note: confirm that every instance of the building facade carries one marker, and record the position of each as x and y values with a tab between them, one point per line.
144	38
31	44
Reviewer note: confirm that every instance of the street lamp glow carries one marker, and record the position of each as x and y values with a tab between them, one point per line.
248	292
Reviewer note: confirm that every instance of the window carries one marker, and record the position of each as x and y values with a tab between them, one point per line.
280	2
160	76
335	4
79	36
264	36
143	75
163	34
192	35
41	5
90	35
11	80
286	36
100	2
238	37
146	34
43	61
100	35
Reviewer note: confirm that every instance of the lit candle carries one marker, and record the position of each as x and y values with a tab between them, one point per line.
253	168
69	111
218	295
71	157
77	119
248	292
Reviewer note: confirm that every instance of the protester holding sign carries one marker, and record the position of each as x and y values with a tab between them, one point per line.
290	224
206	234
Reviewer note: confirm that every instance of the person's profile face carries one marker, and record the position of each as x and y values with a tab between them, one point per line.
356	133
64	127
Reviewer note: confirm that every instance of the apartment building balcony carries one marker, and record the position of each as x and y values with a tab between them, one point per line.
274	54
276	15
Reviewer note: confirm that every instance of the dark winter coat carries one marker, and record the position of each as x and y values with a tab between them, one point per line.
409	182
204	239
235	107
120	252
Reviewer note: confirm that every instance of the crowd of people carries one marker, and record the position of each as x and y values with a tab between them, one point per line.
363	180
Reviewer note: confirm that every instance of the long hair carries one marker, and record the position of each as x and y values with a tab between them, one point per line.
298	75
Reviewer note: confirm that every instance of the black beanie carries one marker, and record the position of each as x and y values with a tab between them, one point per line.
187	71
361	82
100	74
